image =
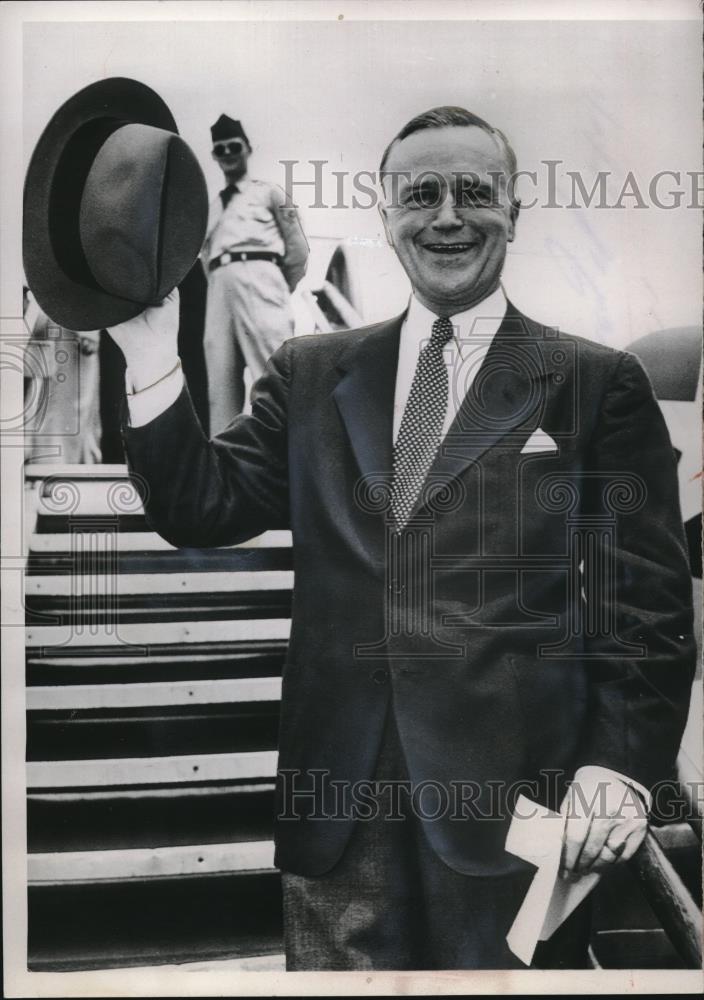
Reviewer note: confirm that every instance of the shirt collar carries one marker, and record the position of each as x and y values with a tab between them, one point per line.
480	320
241	185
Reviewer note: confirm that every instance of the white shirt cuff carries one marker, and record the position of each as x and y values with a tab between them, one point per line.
148	404
598	772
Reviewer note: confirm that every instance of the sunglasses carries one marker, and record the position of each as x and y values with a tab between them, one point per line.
233	148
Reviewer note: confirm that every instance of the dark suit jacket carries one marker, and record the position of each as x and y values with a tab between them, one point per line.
501	658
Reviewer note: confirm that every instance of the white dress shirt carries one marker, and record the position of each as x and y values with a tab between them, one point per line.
147	404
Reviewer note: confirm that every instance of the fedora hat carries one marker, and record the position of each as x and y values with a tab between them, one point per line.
115	207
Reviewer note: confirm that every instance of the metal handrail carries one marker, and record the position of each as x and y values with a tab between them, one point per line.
670	900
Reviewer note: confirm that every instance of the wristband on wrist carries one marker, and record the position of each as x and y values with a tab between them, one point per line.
136	392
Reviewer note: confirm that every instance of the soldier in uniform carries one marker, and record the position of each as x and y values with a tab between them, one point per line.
255	254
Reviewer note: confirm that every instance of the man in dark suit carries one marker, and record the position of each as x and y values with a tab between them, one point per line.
492	592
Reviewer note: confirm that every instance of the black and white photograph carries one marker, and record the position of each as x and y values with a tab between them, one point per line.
351	444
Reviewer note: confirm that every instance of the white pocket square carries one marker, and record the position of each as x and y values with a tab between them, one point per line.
538	441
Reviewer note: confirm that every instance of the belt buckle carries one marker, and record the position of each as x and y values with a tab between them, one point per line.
225	258
243	256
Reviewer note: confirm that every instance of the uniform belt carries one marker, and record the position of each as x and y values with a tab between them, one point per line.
230	255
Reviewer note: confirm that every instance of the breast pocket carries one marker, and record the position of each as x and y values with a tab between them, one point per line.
260	214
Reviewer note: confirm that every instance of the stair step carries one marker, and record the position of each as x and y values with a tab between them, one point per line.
169	633
226	661
71	560
140	732
86	611
99	534
115	819
147	863
138	922
635	949
151	584
139	771
125	696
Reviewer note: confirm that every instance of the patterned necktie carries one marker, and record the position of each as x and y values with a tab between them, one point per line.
227	193
421	427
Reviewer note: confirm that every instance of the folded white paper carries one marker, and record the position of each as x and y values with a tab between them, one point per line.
538	441
536	835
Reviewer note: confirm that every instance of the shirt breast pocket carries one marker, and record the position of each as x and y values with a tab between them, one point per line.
259	213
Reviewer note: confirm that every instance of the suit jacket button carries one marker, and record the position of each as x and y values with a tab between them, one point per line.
380	676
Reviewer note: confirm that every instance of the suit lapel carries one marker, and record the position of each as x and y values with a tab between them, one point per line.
365	396
506	400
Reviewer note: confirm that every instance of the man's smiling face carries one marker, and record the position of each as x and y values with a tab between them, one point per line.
447	214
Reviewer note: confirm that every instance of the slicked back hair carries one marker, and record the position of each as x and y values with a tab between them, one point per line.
451	116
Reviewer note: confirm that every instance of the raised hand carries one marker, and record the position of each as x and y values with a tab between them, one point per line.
149	342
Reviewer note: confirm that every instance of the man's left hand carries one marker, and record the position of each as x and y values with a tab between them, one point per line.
606	821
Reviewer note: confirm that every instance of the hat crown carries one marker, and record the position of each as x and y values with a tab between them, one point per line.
122	211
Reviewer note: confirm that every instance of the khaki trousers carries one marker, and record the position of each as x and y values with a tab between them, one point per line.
248	316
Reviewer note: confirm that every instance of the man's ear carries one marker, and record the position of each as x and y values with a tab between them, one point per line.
383	212
513	213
